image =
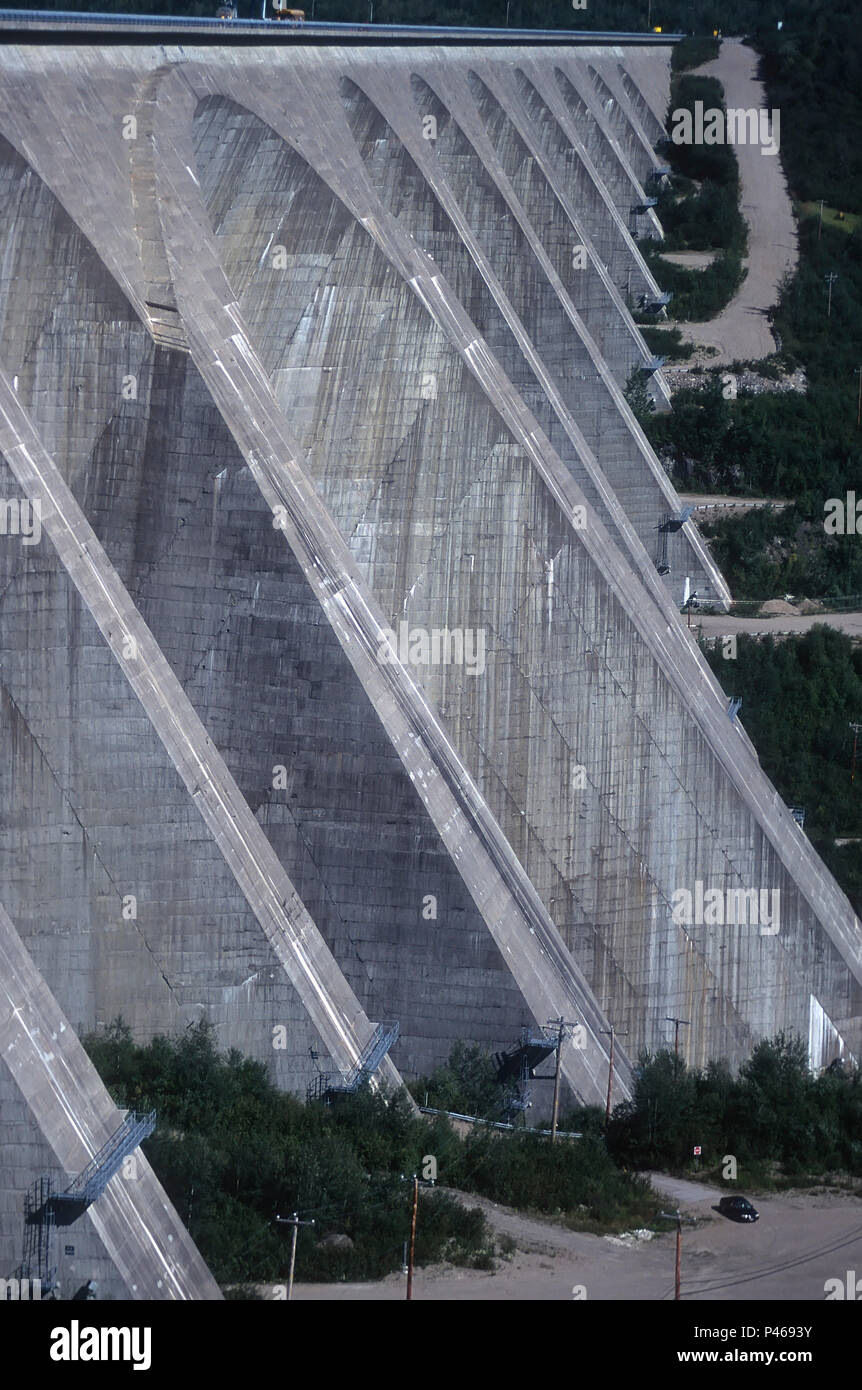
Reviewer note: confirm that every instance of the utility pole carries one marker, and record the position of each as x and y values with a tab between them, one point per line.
858	372
613	1032
561	1025
677	1217
416	1180
295	1222
855	728
676	1026
830	279
412	1236
820	223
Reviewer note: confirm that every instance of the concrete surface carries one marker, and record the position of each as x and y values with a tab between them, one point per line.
371	385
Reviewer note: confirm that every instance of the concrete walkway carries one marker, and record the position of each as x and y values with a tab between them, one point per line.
741	332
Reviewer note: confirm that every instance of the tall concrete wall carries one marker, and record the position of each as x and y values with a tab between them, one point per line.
290	366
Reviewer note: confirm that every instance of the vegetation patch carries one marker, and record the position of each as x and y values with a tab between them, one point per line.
777	1121
693	52
770	551
667	343
233	1152
832	217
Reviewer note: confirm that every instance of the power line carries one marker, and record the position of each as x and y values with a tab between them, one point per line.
784	1265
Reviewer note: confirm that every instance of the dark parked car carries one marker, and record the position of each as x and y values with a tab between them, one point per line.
738	1209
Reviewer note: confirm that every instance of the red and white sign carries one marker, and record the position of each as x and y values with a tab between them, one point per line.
697	1151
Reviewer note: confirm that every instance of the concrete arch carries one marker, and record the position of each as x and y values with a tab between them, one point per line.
475	219
62	321
651	123
373	679
560	142
721	1009
599	139
659	794
622	121
672	791
620	447
84	764
582	98
558	232
485	215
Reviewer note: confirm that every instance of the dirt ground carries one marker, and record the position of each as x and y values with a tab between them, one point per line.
692	260
741	332
800	1241
715	625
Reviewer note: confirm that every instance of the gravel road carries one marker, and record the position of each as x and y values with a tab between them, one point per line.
741	332
800	1241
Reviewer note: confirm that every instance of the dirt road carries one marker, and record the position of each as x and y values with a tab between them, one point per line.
703	502
779	626
799	1242
741	332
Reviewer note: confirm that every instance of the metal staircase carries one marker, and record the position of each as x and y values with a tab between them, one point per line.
518	1064
92	1180
39	1222
46	1209
325	1086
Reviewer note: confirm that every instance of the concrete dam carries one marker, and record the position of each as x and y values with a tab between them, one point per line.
342	673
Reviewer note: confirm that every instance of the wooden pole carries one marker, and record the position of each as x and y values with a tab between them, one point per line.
678	1277
293	1236
295	1222
557	1082
610	1078
412	1237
